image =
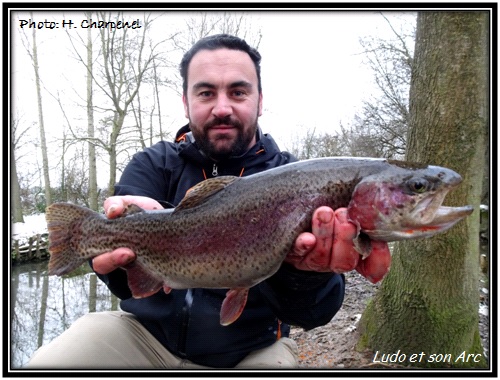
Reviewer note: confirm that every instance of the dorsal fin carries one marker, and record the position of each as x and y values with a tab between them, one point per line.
202	191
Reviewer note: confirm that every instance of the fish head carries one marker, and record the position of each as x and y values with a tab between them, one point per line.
405	203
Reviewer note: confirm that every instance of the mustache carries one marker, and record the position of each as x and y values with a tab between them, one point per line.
226	120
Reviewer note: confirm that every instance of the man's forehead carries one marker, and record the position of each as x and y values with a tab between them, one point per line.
221	68
226	59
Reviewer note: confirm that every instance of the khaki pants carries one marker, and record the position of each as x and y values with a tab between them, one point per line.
116	340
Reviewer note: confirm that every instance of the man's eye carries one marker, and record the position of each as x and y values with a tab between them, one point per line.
238	93
205	94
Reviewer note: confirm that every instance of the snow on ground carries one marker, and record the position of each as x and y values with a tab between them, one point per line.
33	225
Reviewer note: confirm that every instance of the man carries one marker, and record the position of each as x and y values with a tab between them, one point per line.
222	98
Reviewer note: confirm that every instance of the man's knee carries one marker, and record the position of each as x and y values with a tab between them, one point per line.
84	342
282	354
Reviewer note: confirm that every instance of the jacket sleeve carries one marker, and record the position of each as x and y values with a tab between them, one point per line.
303	298
116	282
146	174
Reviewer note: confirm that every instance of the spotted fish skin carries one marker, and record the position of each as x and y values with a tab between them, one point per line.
233	233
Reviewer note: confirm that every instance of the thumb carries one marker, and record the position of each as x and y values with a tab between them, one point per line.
114	207
304	244
108	262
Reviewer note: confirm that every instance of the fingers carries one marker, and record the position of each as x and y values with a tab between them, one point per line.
108	262
329	247
116	205
344	257
304	244
312	250
322	228
323	222
376	266
321	236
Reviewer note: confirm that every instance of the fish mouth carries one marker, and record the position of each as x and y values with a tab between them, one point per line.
446	215
430	213
429	217
442	219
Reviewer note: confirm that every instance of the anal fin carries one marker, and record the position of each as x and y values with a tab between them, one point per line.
233	305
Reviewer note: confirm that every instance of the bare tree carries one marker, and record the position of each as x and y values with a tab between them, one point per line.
314	145
380	129
208	23
16	141
77	135
77	184
362	140
15	189
33	53
125	62
157	104
93	204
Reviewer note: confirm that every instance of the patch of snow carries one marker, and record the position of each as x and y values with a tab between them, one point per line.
33	225
356	318
483	309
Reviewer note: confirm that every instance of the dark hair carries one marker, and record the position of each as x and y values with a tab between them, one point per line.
219	41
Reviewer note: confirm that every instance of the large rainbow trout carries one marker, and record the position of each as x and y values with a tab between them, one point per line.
231	232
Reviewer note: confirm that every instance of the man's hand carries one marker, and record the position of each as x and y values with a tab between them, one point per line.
330	248
114	207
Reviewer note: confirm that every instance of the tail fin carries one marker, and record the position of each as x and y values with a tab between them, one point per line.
61	218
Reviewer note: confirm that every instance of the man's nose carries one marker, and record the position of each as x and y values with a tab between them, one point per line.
222	106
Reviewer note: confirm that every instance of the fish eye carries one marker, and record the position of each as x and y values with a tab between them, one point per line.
419	185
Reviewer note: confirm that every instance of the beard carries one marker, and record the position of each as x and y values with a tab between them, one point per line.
222	147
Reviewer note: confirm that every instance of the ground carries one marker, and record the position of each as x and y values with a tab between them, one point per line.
332	346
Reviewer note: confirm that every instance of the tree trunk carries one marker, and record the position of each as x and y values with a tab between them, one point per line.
43	311
43	144
90	127
17	208
428	303
158	103
64	190
118	121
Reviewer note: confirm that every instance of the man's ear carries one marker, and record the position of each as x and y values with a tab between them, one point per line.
186	108
260	104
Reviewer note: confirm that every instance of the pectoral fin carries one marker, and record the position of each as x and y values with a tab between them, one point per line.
233	305
141	282
363	244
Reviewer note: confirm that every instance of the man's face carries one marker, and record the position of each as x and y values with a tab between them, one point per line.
222	102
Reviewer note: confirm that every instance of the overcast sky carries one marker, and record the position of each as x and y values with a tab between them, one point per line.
312	70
